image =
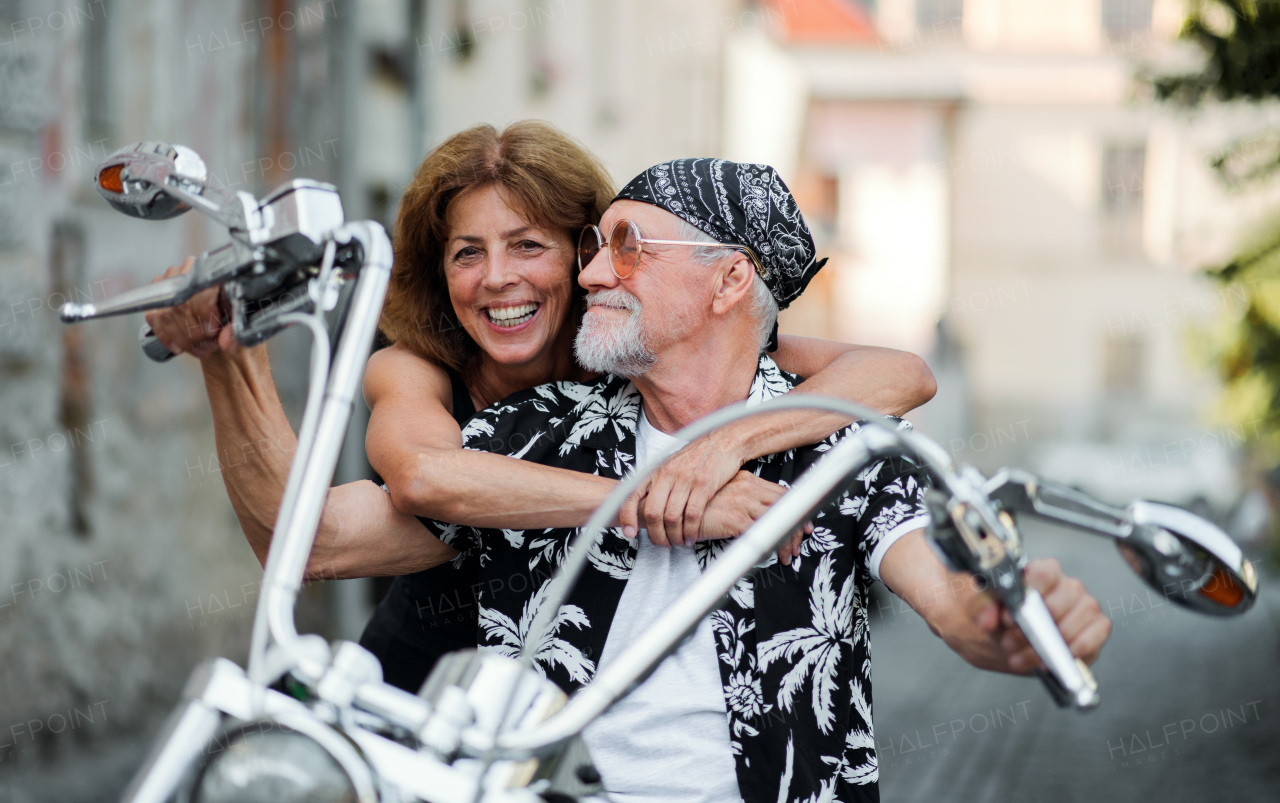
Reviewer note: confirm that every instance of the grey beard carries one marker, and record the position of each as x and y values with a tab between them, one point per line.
613	348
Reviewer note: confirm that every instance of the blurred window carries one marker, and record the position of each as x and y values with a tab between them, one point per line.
1124	18
75	402
937	19
465	44
1123	168
1123	364
826	208
98	75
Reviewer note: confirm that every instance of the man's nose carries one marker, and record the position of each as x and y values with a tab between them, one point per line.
597	275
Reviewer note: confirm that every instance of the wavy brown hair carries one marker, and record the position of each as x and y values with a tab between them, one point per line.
553	181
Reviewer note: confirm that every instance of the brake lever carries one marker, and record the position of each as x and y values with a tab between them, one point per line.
972	536
1023	492
213	268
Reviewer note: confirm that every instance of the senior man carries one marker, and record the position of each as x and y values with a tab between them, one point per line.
770	699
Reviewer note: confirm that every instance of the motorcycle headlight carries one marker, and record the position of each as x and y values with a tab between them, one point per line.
265	762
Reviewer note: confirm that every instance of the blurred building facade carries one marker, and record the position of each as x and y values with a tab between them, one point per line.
998	190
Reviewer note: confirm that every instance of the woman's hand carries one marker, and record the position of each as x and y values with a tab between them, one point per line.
194	327
731	510
677	494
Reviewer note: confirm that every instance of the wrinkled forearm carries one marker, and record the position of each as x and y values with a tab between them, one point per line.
479	489
365	536
890	382
255	442
360	534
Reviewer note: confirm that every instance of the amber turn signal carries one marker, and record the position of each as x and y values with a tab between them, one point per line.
1223	590
109	179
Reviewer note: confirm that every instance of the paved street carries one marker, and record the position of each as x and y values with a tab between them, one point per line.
1190	708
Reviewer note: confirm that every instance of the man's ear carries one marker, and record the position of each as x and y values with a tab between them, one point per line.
735	283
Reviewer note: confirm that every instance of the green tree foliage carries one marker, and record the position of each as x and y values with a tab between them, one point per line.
1241	42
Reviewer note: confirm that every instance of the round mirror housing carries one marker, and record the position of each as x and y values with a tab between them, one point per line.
133	179
1188	559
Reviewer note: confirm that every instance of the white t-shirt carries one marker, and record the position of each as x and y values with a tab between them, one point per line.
667	741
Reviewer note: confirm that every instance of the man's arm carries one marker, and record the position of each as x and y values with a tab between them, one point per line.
971	622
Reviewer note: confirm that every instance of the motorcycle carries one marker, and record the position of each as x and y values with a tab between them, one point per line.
308	720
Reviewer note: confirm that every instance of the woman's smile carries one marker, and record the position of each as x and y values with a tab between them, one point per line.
511	318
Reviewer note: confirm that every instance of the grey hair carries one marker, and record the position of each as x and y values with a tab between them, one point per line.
761	305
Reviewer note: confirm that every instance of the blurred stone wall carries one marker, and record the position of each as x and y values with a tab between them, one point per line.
121	561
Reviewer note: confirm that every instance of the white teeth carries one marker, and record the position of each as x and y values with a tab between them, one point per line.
512	316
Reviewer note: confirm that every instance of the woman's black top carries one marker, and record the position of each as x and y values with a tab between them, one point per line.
426	614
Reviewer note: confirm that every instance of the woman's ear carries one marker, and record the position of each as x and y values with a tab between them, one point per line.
735	283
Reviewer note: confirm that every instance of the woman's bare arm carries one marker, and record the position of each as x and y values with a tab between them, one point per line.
415	444
361	533
887	380
677	494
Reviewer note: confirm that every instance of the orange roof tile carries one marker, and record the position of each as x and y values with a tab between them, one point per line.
824	21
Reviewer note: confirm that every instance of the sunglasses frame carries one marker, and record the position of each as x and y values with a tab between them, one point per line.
604	245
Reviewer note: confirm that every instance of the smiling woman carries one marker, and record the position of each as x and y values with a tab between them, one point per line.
482	209
484	301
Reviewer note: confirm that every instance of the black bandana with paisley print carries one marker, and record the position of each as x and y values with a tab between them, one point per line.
742	204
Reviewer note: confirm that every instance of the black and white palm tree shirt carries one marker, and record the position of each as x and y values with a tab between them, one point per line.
792	640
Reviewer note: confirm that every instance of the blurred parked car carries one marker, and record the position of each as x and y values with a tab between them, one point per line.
1195	469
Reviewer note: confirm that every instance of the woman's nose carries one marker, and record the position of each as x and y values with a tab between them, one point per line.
500	272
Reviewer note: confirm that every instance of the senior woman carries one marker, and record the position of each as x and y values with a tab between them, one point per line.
483	302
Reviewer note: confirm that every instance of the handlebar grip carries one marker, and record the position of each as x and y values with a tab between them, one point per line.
152	347
163	293
1067	677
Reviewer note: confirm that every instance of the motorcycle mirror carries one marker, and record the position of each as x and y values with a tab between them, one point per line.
133	179
1188	559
